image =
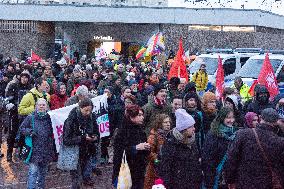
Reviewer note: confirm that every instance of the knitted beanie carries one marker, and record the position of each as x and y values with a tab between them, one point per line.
183	120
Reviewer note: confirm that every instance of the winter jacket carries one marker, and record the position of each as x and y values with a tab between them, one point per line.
150	112
246	166
15	90
214	150
128	136
27	104
75	129
57	101
200	79
156	140
180	167
43	148
244	92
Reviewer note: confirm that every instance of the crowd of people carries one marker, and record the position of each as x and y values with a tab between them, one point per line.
172	129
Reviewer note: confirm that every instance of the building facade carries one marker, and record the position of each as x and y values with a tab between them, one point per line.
83	28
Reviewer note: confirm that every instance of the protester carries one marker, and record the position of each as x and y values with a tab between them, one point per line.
81	93
251	164
15	92
242	88
58	99
221	134
132	139
260	101
157	105
232	102
38	126
209	110
27	104
81	129
176	104
180	166
156	139
192	106
200	78
251	120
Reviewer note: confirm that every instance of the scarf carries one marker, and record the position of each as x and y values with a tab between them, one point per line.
41	114
159	103
227	132
179	137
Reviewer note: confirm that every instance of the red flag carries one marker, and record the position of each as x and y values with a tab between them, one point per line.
219	79
251	89
267	77
178	67
35	57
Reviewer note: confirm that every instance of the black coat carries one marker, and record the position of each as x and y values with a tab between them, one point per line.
257	108
246	167
213	152
179	166
75	130
128	136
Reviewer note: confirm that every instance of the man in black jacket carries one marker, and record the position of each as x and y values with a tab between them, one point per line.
16	91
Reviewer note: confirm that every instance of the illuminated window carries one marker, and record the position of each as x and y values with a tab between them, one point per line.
238	28
204	27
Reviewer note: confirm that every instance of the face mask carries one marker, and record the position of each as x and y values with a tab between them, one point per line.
135	90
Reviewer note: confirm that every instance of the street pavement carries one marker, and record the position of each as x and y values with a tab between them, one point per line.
14	175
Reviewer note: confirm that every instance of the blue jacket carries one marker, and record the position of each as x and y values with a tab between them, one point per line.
43	150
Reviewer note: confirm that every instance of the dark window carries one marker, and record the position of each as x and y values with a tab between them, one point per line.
229	66
243	60
280	76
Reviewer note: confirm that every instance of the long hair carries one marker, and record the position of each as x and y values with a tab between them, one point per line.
159	119
221	116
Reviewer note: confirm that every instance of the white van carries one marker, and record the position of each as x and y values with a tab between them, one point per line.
250	71
232	63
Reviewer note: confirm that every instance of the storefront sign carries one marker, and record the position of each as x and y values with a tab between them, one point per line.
103	38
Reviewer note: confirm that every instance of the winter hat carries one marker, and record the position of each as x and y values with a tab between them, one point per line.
149	89
207	97
158	87
25	73
183	120
82	90
159	184
233	99
270	115
191	95
131	82
190	87
249	118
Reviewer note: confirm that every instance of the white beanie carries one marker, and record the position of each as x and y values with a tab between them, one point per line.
183	120
234	98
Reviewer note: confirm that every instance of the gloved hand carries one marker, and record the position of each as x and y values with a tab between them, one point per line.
10	106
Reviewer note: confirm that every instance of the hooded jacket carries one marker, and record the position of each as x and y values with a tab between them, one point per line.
260	103
27	104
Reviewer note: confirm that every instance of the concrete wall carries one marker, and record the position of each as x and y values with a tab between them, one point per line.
198	39
42	41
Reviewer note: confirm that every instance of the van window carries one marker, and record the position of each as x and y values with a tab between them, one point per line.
280	76
229	66
243	60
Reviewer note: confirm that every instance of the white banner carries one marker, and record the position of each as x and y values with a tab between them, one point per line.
60	115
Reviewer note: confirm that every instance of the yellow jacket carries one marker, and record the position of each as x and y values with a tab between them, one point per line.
201	80
27	104
244	92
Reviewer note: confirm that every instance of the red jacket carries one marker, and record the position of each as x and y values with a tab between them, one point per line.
57	102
